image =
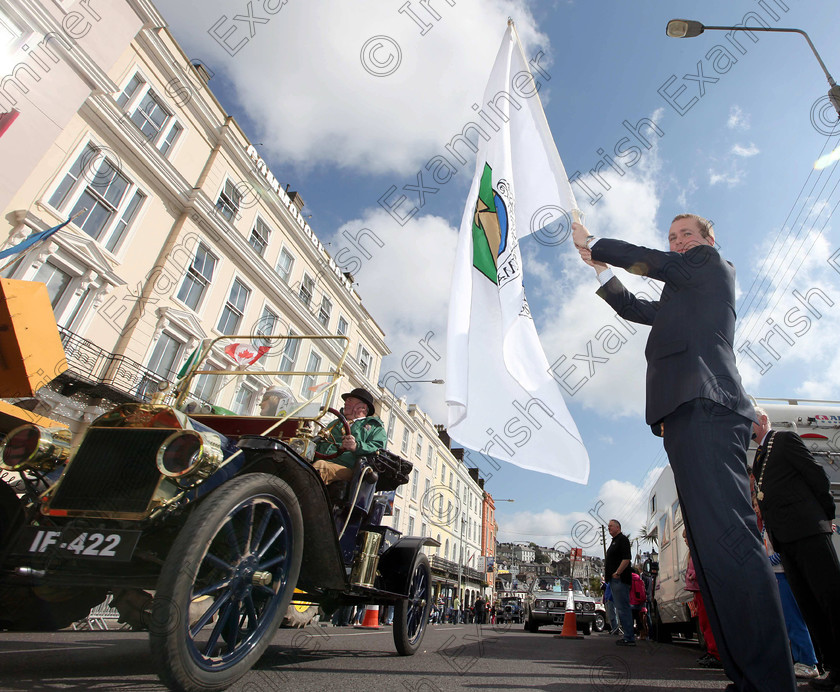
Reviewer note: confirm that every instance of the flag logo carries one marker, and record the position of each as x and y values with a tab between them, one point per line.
490	227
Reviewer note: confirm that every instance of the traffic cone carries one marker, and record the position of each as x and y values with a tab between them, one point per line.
569	630
371	621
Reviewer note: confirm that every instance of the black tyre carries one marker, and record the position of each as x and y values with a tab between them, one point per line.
662	633
586	628
411	615
599	623
532	626
226	584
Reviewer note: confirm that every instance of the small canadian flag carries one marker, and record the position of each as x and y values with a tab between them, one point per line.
245	354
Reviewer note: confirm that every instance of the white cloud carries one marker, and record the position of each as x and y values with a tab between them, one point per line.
743	151
301	76
615	499
737	120
730	178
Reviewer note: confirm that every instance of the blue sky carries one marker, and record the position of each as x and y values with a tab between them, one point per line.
737	145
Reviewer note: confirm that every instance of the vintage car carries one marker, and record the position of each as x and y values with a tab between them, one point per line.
545	604
509	609
220	515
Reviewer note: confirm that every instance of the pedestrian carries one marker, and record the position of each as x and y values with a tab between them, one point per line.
710	659
801	646
638	596
456	610
617	567
794	497
695	401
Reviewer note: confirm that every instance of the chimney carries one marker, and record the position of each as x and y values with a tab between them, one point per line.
203	73
444	436
297	200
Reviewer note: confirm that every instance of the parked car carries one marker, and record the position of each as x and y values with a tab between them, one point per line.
222	516
600	622
509	609
545	604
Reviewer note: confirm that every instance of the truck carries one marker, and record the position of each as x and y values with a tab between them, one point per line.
818	424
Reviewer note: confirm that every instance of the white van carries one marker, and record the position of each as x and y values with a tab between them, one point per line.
818	424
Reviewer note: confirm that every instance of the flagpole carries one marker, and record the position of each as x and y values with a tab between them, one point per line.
60	226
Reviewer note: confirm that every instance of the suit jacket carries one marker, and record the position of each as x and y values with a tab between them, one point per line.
689	349
797	496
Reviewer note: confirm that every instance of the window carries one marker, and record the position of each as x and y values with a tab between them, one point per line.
675	511
391	424
424	529
325	311
290	353
653	505
243	402
165	352
309	381
198	277
284	265
414	485
150	114
419	448
229	200
106	201
259	237
266	326
443	474
430	455
130	90
55	279
205	385
427	489
307	288
406	435
231	316
171	138
410	525
397	518
364	360
341	330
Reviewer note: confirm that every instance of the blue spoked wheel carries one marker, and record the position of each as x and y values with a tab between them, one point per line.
226	584
412	614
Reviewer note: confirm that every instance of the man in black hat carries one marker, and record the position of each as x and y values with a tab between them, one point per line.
367	435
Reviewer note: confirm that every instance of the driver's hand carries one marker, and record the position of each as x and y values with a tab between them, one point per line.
348	442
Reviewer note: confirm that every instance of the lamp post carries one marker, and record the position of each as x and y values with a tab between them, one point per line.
689	28
394	398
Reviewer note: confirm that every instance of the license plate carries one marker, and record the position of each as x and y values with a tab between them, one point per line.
114	546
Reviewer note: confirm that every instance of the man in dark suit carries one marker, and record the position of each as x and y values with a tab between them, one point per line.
797	507
696	402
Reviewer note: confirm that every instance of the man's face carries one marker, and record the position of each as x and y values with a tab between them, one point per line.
613	528
355	408
760	428
685	234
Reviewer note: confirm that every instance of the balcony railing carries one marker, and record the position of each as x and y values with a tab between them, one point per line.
451	568
107	374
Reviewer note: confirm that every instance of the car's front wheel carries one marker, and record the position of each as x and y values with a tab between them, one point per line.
599	623
531	626
411	615
586	628
226	584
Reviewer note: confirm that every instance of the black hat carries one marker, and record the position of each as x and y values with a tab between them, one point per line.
363	395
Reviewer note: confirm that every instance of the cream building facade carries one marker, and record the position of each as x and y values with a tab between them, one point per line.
180	233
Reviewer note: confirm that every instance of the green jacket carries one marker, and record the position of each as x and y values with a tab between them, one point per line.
370	436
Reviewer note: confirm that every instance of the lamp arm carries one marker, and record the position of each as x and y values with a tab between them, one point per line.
775	29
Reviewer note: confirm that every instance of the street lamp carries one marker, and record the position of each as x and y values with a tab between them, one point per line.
689	28
394	397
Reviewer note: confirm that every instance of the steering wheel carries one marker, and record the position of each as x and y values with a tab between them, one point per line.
345	425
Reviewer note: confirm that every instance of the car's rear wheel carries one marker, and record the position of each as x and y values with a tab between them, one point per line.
412	614
226	584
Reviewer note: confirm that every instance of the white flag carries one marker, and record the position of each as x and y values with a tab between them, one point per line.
502	399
